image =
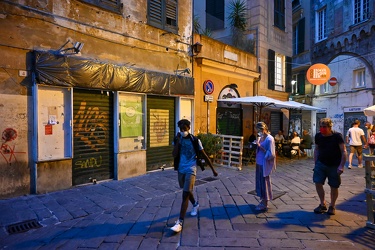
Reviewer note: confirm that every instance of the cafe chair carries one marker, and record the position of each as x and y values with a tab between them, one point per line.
294	150
250	149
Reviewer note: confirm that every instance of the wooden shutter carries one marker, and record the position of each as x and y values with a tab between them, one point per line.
271	69
301	83
288	74
171	13
301	36
155	13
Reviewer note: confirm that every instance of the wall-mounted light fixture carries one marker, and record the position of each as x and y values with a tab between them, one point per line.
77	47
197	47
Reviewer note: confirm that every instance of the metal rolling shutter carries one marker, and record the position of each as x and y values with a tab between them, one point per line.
160	125
92	136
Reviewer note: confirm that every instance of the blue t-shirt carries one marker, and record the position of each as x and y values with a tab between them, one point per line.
188	160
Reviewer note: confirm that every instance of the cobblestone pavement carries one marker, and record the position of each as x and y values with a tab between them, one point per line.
137	213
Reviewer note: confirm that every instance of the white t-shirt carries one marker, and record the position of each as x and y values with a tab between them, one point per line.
279	137
354	135
295	140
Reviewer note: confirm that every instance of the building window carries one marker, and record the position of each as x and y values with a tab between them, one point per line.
321	25
112	5
361	10
214	14
299	37
294	85
279	14
279	72
359	78
325	88
163	14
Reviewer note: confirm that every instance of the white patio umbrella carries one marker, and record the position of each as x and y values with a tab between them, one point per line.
260	102
302	106
370	111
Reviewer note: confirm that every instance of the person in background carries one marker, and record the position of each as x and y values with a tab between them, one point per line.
306	141
253	137
185	155
368	132
354	138
293	143
329	157
265	164
279	137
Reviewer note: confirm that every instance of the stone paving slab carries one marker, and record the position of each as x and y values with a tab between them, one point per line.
137	213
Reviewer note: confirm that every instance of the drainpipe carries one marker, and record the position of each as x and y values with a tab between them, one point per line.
34	140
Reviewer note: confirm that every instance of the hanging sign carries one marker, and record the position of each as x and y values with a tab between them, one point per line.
318	74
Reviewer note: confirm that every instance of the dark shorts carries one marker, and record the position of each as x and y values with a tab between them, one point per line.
186	181
356	149
322	172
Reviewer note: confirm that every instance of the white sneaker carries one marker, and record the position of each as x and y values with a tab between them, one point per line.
350	167
360	166
177	227
194	211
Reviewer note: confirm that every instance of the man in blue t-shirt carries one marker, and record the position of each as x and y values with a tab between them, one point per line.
185	153
329	157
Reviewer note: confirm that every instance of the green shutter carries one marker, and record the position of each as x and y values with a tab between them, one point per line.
301	83
301	36
271	69
155	13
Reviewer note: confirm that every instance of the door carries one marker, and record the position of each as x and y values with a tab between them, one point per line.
92	136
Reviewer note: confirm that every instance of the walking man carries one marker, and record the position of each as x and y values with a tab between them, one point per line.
186	148
354	137
329	157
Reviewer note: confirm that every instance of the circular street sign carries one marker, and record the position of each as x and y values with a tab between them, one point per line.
318	74
208	87
332	81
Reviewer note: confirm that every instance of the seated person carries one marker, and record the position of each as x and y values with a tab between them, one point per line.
306	141
253	137
279	137
293	143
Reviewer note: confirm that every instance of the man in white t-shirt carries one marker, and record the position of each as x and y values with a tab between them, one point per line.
354	137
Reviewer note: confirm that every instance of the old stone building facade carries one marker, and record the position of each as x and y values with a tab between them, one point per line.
342	38
90	90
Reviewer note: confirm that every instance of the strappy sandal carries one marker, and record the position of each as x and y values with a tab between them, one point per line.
261	207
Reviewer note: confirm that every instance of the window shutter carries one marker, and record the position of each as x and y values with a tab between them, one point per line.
112	5
288	75
271	69
301	36
171	15
301	83
155	13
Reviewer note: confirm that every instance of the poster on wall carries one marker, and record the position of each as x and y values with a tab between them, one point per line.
159	127
131	116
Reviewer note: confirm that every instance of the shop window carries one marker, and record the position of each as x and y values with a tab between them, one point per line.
111	5
163	14
132	122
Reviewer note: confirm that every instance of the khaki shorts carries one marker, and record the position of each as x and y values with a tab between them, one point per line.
356	149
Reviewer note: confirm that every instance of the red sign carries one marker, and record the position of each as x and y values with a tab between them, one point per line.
318	74
208	87
332	81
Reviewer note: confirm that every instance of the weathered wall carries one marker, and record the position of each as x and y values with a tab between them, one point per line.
53	176
131	164
14	169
